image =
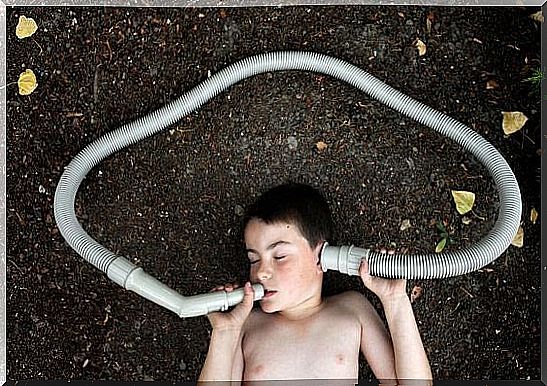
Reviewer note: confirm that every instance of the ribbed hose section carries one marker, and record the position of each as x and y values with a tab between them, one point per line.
392	266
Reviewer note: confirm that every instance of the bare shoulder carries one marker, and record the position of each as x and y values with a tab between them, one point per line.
349	297
354	300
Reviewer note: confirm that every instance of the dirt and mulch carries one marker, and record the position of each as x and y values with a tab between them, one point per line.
173	203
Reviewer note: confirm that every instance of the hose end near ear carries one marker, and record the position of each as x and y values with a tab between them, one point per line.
345	259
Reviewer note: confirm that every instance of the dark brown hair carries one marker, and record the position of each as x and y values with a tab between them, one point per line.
299	204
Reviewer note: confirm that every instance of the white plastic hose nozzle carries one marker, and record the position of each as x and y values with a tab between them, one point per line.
135	279
345	259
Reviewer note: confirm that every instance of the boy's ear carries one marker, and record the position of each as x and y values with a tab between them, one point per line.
317	252
317	257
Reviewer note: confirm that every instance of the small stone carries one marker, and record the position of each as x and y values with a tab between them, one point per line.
292	142
41	189
239	210
182	365
410	162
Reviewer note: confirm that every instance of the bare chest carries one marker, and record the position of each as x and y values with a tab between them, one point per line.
326	347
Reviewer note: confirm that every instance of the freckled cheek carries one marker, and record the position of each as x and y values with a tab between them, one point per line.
290	277
253	273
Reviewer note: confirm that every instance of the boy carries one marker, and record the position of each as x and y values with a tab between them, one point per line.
297	333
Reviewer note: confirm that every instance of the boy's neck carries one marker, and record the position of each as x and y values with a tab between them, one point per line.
309	308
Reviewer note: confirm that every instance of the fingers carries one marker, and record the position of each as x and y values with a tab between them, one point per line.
228	287
248	295
363	268
392	251
364	271
242	310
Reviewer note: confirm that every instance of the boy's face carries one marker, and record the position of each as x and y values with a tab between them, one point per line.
284	263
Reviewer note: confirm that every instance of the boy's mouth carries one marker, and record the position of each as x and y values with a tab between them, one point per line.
269	293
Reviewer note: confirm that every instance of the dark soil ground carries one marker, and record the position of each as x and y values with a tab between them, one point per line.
173	203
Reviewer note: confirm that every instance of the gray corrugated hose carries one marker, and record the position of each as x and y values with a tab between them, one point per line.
345	259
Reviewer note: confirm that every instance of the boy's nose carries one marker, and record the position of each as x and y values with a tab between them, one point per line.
265	271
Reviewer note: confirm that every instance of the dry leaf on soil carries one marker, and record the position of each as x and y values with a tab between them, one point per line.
26	27
405	224
464	200
440	245
421	47
415	294
429	21
491	84
27	82
538	16
533	215
513	121
518	240
321	145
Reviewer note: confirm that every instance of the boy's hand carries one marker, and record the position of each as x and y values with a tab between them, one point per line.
234	319
383	288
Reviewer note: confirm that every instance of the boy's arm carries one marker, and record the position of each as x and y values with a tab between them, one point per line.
376	344
411	361
410	357
224	360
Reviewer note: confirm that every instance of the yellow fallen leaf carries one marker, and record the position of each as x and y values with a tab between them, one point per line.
321	145
440	245
26	27
27	82
533	215
513	121
518	240
421	47
538	16
464	200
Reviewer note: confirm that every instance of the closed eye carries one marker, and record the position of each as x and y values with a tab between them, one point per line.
254	262
279	257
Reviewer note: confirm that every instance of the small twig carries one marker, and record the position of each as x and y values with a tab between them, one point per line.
467	292
39	46
9	84
527	137
16	266
110	51
96	85
477	216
